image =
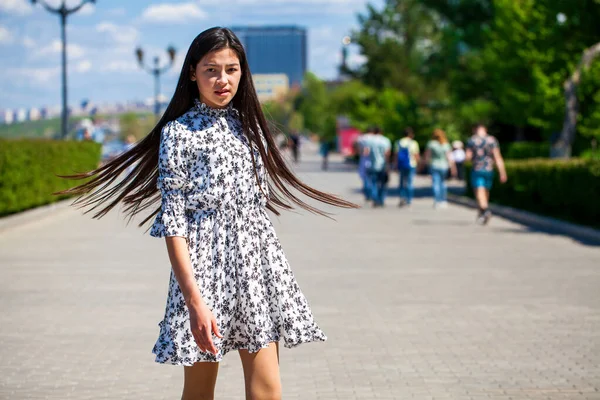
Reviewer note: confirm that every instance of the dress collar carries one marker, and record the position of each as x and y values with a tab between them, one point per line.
217	112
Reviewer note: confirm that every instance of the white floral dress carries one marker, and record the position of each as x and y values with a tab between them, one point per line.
211	197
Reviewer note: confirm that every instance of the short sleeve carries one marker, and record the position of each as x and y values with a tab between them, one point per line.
470	144
388	144
172	183
493	143
415	147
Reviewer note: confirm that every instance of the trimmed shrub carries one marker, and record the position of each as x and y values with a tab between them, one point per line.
28	170
565	189
524	150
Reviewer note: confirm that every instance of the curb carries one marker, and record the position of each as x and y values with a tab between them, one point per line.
579	232
33	215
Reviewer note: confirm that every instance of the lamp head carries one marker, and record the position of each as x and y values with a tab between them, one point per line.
171	50
140	55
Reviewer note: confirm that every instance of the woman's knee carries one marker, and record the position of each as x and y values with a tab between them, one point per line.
266	391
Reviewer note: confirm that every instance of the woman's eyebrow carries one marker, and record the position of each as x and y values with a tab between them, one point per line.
216	65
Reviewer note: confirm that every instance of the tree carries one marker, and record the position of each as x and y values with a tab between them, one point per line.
315	106
563	145
397	42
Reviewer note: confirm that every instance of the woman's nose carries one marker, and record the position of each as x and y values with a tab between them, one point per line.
222	79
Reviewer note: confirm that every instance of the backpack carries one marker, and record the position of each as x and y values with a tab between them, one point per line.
404	157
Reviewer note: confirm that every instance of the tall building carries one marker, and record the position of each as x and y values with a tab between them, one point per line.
275	50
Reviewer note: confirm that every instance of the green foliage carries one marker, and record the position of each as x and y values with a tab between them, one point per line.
499	61
137	125
43	128
589	103
563	189
524	150
28	170
314	106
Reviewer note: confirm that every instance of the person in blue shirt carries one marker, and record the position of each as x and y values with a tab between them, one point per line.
378	150
407	160
364	163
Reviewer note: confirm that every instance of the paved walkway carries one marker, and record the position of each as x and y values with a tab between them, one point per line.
417	304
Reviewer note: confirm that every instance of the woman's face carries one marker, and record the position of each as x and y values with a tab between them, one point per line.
217	75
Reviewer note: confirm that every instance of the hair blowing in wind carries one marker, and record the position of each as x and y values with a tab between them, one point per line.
138	191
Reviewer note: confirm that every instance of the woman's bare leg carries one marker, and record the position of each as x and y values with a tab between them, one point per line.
199	381
261	373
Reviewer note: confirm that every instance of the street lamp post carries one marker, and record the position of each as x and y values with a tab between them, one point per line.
63	12
157	70
346	41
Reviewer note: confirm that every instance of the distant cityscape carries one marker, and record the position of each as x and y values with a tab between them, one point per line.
277	56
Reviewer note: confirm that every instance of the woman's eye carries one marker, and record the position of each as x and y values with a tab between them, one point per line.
232	69
210	70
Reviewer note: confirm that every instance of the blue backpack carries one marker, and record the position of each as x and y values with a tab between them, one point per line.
403	157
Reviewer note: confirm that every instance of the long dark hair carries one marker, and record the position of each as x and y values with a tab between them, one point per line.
137	190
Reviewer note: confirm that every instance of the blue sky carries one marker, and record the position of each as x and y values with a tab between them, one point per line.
102	38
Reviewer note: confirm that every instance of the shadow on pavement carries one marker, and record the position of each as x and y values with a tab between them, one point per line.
442	222
528	229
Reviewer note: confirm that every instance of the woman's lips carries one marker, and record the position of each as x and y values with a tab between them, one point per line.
224	92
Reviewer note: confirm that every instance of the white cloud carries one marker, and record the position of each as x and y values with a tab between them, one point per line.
55	47
5	35
117	12
120	34
87	9
28	42
33	75
83	66
356	60
120	66
173	13
297	8
18	7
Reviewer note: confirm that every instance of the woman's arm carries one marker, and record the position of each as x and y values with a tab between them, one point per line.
451	162
171	223
202	320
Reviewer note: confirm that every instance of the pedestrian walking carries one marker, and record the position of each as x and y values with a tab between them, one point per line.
364	161
408	154
459	156
324	148
295	146
218	170
484	152
438	155
378	150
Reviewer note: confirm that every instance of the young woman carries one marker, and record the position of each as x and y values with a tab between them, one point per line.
218	170
439	157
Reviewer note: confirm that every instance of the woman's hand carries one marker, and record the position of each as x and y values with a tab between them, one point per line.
203	324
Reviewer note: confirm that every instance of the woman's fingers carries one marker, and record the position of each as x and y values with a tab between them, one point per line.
199	341
203	338
215	328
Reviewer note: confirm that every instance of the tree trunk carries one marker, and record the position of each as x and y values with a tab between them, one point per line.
562	147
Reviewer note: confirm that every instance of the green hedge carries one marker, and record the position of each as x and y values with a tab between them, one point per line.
568	190
524	150
28	170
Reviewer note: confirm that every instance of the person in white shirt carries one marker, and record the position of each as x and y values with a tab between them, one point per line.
408	155
459	156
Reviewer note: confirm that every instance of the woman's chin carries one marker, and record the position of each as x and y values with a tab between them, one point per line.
222	101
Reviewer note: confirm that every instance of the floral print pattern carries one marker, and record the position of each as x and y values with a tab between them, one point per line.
211	197
483	152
